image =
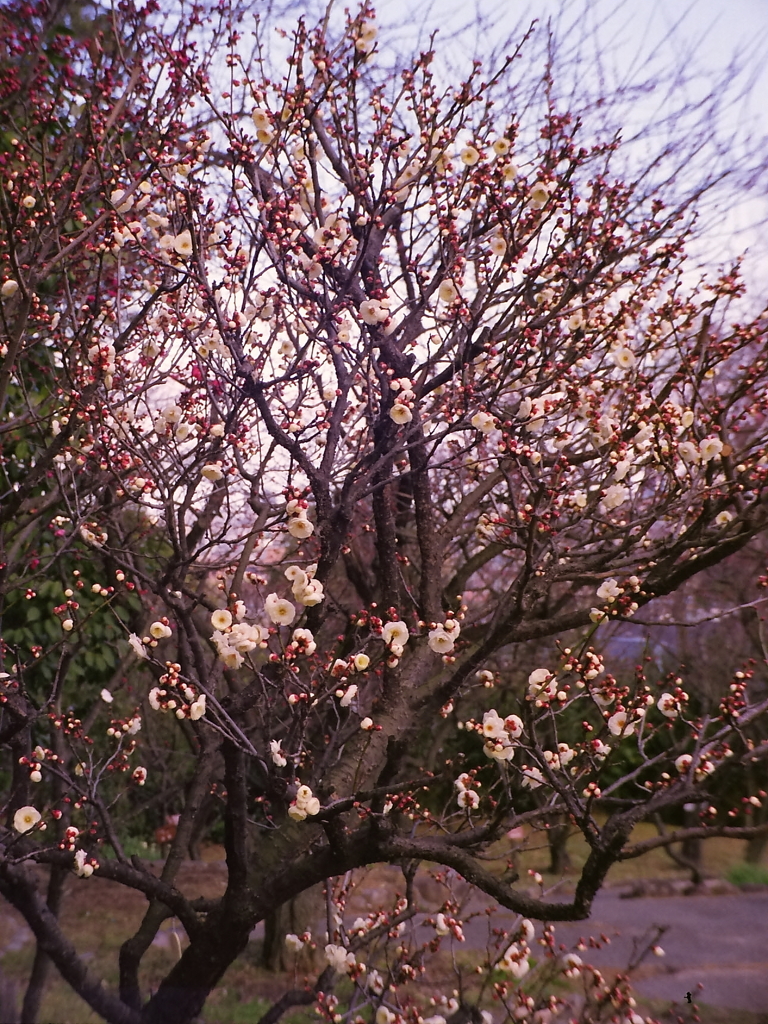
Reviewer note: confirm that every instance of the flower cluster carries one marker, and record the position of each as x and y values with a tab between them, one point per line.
299	525
305	805
466	796
173	694
405	397
515	960
83	866
232	639
443	637
395	635
542	687
341	959
499	735
304	587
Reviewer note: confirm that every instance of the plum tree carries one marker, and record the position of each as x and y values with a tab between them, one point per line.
328	390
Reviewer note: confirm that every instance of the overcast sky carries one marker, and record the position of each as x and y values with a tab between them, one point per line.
631	34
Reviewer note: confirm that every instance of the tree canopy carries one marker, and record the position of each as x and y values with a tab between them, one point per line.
341	408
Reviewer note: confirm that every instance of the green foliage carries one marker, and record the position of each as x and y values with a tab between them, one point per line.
748	874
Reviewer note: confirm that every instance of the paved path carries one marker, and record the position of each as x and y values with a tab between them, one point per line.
717	942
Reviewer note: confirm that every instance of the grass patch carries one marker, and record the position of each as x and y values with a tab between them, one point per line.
719	857
747	874
667	1014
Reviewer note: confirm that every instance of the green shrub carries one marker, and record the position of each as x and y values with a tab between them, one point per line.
748	874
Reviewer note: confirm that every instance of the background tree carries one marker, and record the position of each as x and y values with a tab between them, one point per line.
339	387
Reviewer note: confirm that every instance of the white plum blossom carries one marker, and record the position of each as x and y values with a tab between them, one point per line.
623	357
395	633
300	527
182	243
293	943
339	957
620	725
197	708
469	799
497	245
532	777
276	753
447	291
400	414
106	696
160	630
493	725
374	311
228	653
82	868
305	805
26	818
484	422
221	619
608	591
348	695
688	452
260	118
515	960
367	37
245	637
710	448
307	591
541	684
683	763
571	963
514	726
305	640
280	611
668	706
441	925
539	195
499	749
440	642
615	495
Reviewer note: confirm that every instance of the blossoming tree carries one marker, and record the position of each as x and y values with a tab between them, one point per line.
324	391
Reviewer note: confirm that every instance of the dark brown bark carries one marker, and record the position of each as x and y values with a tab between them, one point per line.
133	949
21	892
559	858
296	916
33	996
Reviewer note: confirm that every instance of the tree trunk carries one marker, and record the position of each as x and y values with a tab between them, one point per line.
8	1000
559	858
301	914
691	849
756	848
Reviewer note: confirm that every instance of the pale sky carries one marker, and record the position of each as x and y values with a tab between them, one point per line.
632	34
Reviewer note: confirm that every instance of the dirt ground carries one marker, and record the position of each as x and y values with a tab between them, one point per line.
716	944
